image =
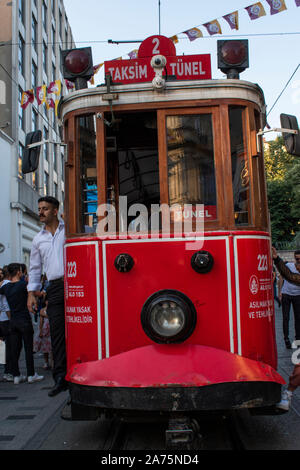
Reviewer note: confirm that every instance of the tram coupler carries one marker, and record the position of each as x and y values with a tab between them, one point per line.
182	433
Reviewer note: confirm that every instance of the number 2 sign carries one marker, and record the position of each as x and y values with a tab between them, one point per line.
155	45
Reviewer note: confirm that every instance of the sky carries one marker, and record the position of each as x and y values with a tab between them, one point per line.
274	40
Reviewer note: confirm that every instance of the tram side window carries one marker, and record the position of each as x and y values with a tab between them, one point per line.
240	169
191	168
88	173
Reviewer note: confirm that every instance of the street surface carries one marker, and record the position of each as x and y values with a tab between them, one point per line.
30	420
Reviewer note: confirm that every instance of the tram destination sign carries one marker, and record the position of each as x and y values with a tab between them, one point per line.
194	67
186	67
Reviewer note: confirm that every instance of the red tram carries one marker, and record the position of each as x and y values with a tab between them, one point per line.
160	318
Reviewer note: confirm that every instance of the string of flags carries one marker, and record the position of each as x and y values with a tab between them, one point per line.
255	11
50	94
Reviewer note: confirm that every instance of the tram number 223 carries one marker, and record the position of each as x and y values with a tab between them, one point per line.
71	269
262	263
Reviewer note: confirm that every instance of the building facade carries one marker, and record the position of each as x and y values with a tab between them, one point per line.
32	35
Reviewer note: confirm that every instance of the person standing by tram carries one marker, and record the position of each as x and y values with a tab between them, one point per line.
5	327
294	379
289	293
21	329
47	255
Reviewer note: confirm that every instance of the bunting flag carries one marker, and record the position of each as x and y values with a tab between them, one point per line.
175	38
255	11
193	33
133	54
276	6
96	69
54	87
232	19
41	94
213	27
27	97
69	85
50	103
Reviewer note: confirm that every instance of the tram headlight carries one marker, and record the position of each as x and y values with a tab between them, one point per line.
168	317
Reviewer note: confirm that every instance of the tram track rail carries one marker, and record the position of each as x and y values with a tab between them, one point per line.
218	432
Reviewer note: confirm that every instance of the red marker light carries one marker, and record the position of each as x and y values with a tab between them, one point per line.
77	66
233	57
77	61
233	52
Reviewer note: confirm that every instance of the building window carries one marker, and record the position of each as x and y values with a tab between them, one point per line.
44	16
21	55
62	167
34	120
46	183
45	54
55	191
20	158
34	33
53	72
33	75
46	151
60	25
55	157
21	112
22	11
35	180
53	39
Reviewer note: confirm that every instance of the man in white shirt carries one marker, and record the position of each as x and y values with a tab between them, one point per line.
47	256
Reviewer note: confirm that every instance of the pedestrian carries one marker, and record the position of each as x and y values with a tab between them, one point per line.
289	294
24	272
47	256
5	327
42	341
275	287
21	329
294	379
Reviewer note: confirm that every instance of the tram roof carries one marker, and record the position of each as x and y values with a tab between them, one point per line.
143	93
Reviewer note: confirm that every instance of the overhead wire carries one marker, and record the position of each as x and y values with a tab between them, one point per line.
110	41
283	90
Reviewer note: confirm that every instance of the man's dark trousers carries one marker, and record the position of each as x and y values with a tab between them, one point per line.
21	330
56	315
287	300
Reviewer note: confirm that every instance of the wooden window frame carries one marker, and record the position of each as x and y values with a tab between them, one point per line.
222	150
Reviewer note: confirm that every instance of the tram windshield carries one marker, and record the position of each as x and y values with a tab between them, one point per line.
157	158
